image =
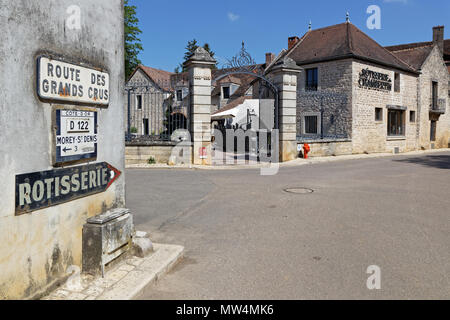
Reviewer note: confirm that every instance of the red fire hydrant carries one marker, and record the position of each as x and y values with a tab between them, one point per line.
306	150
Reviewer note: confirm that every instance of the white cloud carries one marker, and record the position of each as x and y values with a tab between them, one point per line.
399	1
233	17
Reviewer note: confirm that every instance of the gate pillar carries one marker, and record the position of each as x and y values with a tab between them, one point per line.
284	74
199	68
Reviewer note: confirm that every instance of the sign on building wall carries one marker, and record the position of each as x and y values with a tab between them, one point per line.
39	190
75	136
65	82
369	79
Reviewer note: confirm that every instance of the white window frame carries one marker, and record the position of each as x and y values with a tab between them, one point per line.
223	92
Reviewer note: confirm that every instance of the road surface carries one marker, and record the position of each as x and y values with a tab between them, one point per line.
246	238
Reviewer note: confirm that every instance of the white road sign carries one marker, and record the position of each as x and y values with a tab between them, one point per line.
76	135
65	82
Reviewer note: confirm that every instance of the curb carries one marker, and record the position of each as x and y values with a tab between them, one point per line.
129	280
135	283
293	163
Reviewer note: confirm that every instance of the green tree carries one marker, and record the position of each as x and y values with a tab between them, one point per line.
190	49
133	44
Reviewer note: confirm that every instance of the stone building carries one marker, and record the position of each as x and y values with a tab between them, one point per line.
355	96
149	100
432	60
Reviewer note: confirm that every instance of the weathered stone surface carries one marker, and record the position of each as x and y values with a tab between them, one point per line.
104	242
41	246
142	246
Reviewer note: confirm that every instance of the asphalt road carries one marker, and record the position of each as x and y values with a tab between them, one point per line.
246	238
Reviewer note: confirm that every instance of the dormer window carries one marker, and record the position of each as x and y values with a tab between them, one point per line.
226	92
179	95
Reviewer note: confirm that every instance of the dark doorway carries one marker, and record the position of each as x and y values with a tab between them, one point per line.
146	127
433	130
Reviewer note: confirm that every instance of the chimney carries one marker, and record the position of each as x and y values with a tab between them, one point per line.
438	37
269	58
292	41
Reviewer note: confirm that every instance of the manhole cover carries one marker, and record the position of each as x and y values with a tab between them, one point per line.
299	190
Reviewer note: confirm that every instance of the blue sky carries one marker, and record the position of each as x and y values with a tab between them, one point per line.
266	25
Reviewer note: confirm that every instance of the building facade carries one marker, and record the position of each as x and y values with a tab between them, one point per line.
355	96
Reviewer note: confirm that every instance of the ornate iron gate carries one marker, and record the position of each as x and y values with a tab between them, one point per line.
267	94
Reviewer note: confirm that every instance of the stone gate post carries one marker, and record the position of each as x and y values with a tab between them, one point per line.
199	67
284	74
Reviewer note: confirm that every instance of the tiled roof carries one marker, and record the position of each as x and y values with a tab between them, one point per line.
339	42
415	53
415	57
243	80
419	44
159	77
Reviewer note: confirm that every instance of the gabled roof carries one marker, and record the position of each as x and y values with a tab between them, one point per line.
242	79
343	41
158	76
415	57
416	53
419	44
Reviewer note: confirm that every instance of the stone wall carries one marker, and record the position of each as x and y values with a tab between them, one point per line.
433	70
37	248
370	135
327	148
347	112
141	154
331	102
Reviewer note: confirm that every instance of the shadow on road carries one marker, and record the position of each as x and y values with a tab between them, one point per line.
437	161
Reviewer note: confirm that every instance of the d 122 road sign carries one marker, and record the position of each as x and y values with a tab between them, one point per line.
38	190
76	135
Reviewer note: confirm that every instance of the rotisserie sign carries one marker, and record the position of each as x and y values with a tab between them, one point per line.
65	82
369	79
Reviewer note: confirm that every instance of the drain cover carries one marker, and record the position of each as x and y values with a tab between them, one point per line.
299	190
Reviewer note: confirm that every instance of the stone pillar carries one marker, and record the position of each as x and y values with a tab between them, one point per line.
199	67
284	74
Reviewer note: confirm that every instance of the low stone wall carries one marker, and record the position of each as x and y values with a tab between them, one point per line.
329	148
141	153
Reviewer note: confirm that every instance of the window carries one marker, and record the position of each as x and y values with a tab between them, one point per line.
311	125
412	116
311	79
179	95
397	82
378	114
226	92
434	94
396	123
139	102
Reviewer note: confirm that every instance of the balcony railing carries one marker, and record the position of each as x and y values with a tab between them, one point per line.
437	105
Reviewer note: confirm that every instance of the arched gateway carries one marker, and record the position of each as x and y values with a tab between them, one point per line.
244	125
